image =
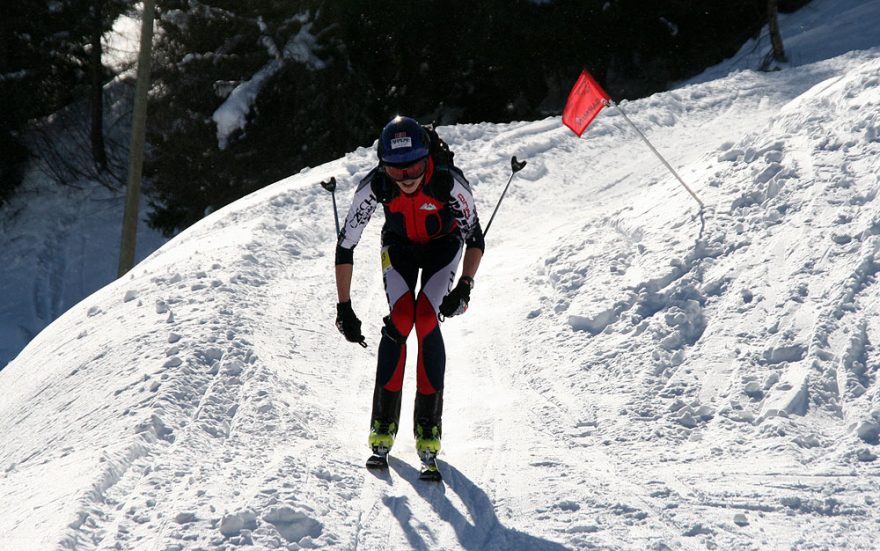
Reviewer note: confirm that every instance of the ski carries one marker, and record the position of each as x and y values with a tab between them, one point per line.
430	471
377	461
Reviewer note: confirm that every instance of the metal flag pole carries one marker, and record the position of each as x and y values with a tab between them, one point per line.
659	156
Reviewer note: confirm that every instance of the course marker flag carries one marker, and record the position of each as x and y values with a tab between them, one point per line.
585	101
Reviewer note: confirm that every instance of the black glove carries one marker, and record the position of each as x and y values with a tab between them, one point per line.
456	302
349	324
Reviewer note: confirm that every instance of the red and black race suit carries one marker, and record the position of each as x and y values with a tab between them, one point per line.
422	241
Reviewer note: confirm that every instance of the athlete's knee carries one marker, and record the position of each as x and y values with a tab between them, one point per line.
426	316
399	323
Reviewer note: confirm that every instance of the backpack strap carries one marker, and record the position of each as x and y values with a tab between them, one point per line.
443	156
441	185
442	181
383	188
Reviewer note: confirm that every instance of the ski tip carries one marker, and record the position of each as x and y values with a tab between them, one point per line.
377	462
431	474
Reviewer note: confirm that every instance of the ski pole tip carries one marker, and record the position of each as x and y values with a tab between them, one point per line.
516	165
329	185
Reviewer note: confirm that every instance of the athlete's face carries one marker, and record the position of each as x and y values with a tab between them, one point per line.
409	186
409	177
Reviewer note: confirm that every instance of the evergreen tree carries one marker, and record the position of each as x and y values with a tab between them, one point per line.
50	58
28	82
273	64
312	79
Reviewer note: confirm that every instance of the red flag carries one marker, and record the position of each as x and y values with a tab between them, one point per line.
585	101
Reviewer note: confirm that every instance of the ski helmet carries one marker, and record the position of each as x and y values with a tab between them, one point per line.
403	141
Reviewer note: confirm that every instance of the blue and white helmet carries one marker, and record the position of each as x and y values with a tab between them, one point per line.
402	142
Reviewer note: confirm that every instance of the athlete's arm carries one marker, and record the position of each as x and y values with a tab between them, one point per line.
471	263
362	208
343	281
463	204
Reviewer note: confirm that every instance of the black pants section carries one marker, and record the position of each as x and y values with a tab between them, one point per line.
412	261
386	407
427	412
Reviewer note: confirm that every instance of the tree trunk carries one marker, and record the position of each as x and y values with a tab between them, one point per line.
136	149
99	153
778	53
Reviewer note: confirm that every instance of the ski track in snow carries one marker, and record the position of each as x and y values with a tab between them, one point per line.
659	380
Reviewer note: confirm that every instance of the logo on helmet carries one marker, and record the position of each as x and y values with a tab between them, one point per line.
401	139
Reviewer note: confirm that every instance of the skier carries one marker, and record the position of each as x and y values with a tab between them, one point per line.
430	217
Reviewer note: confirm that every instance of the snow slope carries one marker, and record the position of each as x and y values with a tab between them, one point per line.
629	375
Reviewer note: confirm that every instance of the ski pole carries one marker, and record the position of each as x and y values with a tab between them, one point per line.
330	185
515	166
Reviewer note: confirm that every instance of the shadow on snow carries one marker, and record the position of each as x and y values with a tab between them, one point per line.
485	532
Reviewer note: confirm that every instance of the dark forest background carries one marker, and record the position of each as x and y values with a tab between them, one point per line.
335	72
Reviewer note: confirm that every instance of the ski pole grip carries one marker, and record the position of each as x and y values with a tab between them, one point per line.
515	166
330	185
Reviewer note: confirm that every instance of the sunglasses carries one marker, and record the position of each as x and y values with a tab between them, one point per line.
411	172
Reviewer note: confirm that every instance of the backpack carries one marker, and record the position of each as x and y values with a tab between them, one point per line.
439	150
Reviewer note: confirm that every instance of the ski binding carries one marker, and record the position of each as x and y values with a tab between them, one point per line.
379	459
429	467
